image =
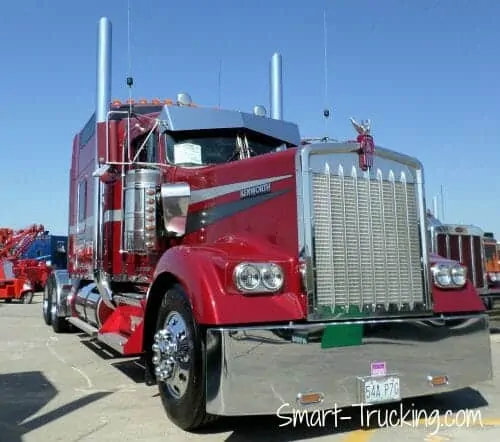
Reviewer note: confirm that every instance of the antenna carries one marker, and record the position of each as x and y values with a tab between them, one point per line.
442	202
130	79
219	86
326	111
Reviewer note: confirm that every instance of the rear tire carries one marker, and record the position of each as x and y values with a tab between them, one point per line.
59	324
182	383
46	307
28	297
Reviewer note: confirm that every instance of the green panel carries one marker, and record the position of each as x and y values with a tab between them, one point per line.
342	335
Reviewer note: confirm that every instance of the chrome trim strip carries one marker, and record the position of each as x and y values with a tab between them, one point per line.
279	369
111	216
473	260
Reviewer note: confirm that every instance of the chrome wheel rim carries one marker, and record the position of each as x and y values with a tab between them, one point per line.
172	355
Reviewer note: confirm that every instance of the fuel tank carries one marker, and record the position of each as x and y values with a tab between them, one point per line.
89	306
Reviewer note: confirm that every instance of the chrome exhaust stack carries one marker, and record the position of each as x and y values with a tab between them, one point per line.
103	100
276	87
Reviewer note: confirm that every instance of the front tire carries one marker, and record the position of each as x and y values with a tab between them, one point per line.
178	357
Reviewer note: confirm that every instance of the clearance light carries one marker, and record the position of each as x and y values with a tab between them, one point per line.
438	381
155	101
168	101
310	398
150	225
143	101
116	103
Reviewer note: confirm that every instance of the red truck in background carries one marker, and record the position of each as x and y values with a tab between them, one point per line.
474	248
231	258
18	276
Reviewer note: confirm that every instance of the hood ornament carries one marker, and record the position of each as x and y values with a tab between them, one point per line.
366	149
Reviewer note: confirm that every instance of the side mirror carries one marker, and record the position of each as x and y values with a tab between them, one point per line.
175	203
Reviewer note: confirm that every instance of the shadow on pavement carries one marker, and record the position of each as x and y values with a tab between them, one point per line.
24	394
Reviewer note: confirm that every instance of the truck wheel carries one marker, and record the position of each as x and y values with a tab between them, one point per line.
59	325
46	307
178	357
28	298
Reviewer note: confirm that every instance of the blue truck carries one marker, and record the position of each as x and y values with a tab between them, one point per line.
49	248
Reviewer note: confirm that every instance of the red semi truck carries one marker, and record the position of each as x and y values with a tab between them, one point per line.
232	258
474	248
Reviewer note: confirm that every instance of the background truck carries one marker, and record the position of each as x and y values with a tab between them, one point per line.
474	248
46	250
234	260
19	277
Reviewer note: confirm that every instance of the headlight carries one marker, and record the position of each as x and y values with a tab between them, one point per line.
459	275
449	275
258	277
493	277
27	286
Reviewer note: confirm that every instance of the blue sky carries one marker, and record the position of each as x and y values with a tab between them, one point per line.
425	72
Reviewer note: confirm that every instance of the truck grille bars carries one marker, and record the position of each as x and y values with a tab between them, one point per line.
366	239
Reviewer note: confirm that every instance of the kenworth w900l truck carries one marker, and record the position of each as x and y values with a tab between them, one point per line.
232	258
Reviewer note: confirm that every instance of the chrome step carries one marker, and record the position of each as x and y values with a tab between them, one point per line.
83	326
113	340
133	299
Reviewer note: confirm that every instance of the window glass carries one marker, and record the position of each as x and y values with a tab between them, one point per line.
214	147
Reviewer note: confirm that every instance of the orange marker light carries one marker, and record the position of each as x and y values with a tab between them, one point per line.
310	398
437	381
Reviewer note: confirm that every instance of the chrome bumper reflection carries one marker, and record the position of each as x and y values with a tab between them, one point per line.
256	370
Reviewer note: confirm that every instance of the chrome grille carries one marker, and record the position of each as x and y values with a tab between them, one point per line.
366	242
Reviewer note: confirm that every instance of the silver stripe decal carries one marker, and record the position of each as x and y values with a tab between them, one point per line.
109	216
200	195
113	216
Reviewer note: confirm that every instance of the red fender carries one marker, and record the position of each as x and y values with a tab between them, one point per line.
206	274
462	300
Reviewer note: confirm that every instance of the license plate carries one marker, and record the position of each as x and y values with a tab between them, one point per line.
378	389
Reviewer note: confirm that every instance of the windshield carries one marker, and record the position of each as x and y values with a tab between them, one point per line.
202	148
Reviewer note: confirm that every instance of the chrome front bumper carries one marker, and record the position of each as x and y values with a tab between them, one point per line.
257	370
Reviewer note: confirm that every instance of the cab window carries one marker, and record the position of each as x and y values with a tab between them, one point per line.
148	146
201	148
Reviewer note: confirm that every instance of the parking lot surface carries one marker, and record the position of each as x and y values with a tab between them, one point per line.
64	388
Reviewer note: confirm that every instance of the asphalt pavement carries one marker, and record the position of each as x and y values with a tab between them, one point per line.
65	388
